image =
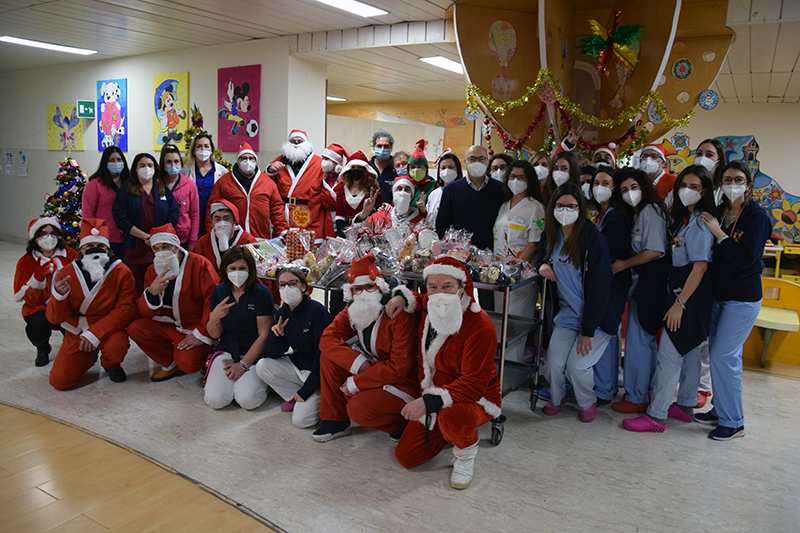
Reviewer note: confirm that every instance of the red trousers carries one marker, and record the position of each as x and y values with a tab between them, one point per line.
159	340
372	408
457	424
72	363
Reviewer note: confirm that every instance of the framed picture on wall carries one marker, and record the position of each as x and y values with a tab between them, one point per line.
112	106
170	108
239	107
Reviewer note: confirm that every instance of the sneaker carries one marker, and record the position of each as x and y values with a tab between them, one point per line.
329	430
589	414
702	398
675	412
117	375
726	433
709	418
288	407
643	424
164	375
624	406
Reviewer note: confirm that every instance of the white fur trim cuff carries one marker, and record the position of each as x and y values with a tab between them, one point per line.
89	336
443	393
34	283
490	408
202	337
411	300
154	307
447	270
351	385
360	360
58	296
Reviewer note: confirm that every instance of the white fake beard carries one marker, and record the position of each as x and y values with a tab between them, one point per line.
365	309
296	152
163	265
445	312
95	265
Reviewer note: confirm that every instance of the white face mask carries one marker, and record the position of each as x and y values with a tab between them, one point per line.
587	190
601	193
689	197
145	173
541	172
47	242
222	230
733	191
238	277
291	295
560	177
632	198
247	166
649	166
498	175
402	202
445	312
476	169
166	260
203	155
566	217
448	175
517	186
707	162
327	166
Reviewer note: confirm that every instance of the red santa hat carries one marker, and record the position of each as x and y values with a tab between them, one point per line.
94	231
607	148
224	204
439	159
245	149
455	268
297	133
337	154
363	271
358	159
37	223
657	148
418	157
402	180
164	235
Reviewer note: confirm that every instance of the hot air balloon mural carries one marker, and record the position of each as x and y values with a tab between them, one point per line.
502	41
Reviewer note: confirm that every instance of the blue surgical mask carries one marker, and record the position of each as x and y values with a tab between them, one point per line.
172	170
115	168
382	153
403	171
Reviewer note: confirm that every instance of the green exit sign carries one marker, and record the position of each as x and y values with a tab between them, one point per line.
86	109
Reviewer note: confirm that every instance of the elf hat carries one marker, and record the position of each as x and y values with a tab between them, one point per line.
609	149
418	157
297	133
38	223
364	271
358	159
94	231
245	149
164	235
455	268
337	154
224	204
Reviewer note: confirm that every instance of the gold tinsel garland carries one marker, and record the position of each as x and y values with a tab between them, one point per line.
475	94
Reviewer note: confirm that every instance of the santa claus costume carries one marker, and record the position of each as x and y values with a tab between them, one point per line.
178	313
98	304
259	205
358	178
379	374
224	236
299	178
334	158
663	182
458	377
402	211
46	254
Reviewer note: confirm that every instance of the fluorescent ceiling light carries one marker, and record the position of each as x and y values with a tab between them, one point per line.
336	99
357	8
47	46
443	62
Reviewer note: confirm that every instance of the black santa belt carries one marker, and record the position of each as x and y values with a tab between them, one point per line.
293	201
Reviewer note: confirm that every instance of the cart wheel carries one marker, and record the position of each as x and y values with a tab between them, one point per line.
497	430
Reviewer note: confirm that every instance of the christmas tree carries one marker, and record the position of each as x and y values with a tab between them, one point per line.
65	204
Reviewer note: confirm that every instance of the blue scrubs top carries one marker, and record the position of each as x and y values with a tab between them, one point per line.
649	231
570	290
204	185
693	242
240	329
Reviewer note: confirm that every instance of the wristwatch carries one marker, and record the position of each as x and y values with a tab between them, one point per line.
244	366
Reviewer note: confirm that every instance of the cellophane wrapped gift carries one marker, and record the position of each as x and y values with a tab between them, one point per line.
298	243
268	255
326	255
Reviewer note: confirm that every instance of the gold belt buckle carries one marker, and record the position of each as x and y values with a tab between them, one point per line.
292	200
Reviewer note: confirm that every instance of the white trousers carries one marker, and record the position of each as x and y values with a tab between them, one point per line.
248	391
286	379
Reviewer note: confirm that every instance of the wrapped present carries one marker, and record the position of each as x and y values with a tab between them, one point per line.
298	243
268	255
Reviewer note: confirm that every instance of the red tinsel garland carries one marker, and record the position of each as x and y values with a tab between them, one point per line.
520	142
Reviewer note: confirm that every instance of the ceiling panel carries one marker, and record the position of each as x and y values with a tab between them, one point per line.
739	54
760	85
743	86
726	88
762	46
787	48
793	89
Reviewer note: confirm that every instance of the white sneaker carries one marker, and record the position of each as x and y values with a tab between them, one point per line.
461	477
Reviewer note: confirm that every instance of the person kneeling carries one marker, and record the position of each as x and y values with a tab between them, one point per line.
240	320
175	307
371	383
299	325
460	389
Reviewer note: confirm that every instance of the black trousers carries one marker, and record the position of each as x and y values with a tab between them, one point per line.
38	329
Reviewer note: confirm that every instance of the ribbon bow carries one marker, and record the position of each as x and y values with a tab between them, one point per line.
614	45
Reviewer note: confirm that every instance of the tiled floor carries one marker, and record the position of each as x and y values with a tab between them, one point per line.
554	474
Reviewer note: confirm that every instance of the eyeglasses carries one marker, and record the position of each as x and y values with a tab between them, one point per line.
495	167
522	177
568	207
293	283
253	159
654	157
358	289
738	180
481	159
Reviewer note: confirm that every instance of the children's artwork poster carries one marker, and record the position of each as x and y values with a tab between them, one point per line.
64	128
21	163
239	105
112	105
170	108
8	161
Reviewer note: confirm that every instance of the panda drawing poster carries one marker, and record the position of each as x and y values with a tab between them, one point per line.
112	114
238	107
170	108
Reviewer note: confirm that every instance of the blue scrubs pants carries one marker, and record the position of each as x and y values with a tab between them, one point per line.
606	371
564	363
672	369
641	355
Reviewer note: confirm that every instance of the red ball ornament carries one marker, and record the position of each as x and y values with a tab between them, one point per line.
491	152
486	121
634	136
487	137
630	153
550	131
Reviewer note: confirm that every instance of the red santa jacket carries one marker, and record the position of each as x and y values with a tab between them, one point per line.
348	206
329	181
34	293
392	349
383	220
261	209
665	184
302	195
98	313
208	246
191	298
